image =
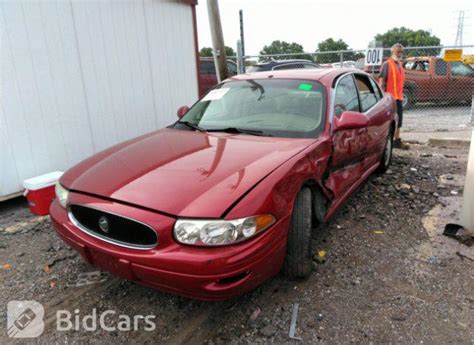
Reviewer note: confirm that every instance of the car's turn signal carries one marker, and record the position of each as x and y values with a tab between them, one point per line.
62	194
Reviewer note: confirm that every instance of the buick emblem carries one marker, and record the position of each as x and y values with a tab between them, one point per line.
104	224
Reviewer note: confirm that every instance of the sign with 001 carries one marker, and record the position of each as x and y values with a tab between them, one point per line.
374	56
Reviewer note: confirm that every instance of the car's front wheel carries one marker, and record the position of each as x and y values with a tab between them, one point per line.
298	261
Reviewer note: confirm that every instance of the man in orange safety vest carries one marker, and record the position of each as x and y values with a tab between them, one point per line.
392	80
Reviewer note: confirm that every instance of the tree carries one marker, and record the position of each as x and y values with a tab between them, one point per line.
410	38
330	44
282	47
207	52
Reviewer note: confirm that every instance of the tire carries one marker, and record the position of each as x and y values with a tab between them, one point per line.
298	260
408	99
387	153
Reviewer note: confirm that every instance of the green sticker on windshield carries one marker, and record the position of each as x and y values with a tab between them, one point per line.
305	87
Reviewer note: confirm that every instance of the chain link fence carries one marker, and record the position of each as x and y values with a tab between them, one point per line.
433	87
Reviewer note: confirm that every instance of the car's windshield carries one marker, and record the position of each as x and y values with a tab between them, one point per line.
272	107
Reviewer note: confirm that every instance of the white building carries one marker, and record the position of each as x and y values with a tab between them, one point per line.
78	76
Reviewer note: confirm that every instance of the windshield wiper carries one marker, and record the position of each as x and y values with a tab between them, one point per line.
192	125
238	131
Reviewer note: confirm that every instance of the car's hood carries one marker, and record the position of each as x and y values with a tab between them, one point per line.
184	173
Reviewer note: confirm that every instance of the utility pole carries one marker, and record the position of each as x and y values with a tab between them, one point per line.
218	48
242	41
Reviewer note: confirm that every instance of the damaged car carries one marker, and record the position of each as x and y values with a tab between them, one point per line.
215	204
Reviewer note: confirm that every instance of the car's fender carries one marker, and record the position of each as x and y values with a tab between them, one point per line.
276	193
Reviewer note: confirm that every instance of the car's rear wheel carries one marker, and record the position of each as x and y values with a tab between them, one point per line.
298	261
387	153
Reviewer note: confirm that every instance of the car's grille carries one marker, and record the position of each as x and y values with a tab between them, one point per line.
113	228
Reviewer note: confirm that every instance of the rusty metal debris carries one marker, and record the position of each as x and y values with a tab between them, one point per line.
459	233
294	318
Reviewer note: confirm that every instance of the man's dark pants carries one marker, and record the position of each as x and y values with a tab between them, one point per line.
400	113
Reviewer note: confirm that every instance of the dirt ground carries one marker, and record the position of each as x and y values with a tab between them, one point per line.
389	276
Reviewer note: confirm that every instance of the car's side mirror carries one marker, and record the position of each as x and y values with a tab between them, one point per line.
350	120
182	110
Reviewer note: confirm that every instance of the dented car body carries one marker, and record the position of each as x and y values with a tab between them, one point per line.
205	211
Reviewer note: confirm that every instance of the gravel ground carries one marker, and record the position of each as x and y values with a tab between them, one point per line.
436	121
384	279
431	118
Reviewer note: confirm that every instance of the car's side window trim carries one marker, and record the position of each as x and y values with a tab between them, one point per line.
378	93
333	99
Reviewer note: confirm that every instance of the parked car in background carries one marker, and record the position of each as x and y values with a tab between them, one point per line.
276	65
348	64
208	74
431	79
227	196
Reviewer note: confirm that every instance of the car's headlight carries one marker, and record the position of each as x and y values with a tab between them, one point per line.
220	232
62	194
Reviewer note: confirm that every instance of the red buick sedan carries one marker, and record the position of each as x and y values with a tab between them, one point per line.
226	197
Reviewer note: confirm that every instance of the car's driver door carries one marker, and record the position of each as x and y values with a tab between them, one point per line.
349	145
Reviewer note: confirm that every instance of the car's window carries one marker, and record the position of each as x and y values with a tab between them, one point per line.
277	107
418	65
461	69
309	66
232	67
409	65
207	67
375	86
426	65
367	94
346	98
257	68
288	66
441	67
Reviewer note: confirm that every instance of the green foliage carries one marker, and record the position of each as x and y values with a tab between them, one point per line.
410	38
330	44
282	47
207	52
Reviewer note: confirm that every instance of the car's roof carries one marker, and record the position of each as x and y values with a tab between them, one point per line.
317	74
275	62
210	58
420	58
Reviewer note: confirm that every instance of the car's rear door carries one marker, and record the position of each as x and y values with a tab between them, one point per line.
347	161
378	110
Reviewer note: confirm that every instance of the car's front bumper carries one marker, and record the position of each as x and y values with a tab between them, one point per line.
198	272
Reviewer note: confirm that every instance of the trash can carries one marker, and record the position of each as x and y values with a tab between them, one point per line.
39	191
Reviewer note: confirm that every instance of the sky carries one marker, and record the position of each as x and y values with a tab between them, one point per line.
309	22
